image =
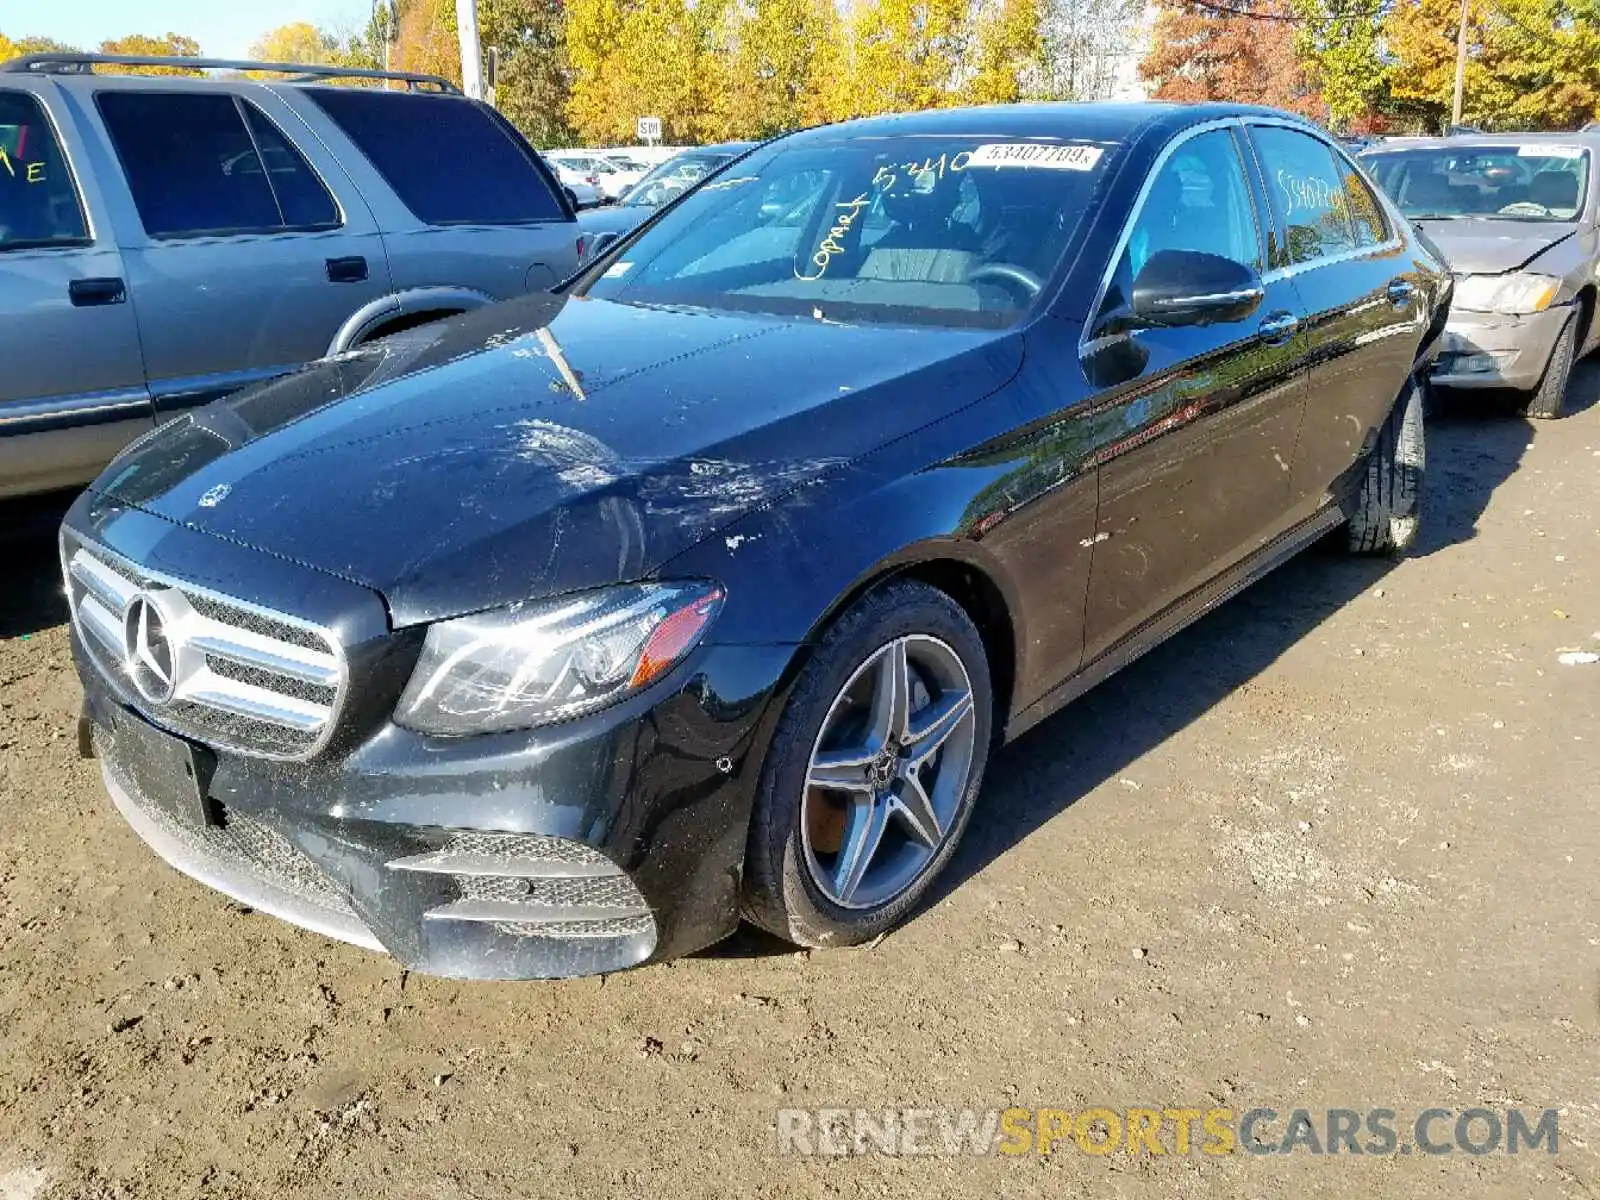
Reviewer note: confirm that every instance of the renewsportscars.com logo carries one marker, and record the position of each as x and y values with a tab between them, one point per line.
837	1132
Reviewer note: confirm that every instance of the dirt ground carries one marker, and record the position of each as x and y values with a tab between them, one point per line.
1334	846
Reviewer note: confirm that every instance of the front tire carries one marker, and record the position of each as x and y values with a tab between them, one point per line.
1388	508
873	770
1550	397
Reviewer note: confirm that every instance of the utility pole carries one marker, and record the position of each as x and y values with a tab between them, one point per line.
471	53
386	20
1461	65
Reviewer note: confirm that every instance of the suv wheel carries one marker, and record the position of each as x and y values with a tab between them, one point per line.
873	771
1389	503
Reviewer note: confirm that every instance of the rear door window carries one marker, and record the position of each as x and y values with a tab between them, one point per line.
1307	189
194	162
38	199
450	161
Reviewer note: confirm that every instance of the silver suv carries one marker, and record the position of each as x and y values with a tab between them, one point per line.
165	240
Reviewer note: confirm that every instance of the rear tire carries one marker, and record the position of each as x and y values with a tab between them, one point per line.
1389	503
791	889
1550	397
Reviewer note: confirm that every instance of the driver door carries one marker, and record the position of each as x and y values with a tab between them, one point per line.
1195	466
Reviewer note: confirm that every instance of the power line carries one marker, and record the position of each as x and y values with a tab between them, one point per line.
1223	10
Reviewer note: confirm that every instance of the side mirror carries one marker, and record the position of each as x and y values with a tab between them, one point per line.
1187	287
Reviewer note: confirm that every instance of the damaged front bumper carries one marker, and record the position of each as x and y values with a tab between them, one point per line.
1498	350
575	849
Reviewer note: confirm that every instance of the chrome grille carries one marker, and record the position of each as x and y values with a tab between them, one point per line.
225	672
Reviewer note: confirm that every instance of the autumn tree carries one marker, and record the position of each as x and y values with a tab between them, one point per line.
17	47
1199	53
1421	38
1548	52
772	55
299	42
1010	48
170	45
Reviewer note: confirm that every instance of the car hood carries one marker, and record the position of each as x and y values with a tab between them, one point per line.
546	444
1474	247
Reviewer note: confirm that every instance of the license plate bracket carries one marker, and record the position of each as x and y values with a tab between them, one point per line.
173	773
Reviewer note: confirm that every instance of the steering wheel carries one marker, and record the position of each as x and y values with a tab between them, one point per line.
1025	279
1525	208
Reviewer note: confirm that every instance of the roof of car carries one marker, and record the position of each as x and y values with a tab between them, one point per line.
1094	120
1459	140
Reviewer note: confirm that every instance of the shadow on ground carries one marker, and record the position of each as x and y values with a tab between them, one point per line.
31	598
1472	449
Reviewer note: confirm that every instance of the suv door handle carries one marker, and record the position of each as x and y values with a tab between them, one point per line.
1400	292
1279	327
347	270
87	293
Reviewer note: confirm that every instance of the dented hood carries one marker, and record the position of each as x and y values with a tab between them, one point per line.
1486	247
546	444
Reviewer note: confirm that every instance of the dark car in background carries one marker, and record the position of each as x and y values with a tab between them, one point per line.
1517	217
661	186
553	638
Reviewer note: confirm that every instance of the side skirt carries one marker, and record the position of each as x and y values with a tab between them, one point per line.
1178	616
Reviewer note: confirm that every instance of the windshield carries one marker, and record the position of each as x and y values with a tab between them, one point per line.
928	229
672	178
1533	181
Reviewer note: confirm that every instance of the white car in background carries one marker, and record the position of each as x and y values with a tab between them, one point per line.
582	187
611	179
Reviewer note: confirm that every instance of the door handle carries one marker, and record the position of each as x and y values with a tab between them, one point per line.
87	293
1400	292
1279	327
347	270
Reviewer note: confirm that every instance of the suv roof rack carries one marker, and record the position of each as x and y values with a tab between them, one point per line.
84	64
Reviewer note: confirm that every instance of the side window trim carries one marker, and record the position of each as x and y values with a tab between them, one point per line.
249	113
1393	241
53	127
1086	338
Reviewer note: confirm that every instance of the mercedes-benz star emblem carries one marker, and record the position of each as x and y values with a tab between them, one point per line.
150	655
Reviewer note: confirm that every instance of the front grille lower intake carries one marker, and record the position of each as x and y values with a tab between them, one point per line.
531	885
224	672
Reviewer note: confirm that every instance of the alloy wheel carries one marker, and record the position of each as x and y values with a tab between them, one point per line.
888	771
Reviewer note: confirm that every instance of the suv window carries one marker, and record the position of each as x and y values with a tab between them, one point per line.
194	167
1198	200
450	161
1311	194
38	200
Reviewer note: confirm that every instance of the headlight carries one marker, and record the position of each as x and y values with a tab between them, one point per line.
1519	294
532	664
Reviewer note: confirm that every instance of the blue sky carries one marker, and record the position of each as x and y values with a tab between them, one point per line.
224	28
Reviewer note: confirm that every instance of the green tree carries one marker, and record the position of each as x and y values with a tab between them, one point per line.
535	74
1338	42
1548	52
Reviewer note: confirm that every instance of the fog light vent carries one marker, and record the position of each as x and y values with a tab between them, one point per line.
530	885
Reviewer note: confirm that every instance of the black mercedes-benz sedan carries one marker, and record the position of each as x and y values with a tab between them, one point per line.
555	638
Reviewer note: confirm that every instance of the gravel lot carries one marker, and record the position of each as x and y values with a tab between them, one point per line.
1333	846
